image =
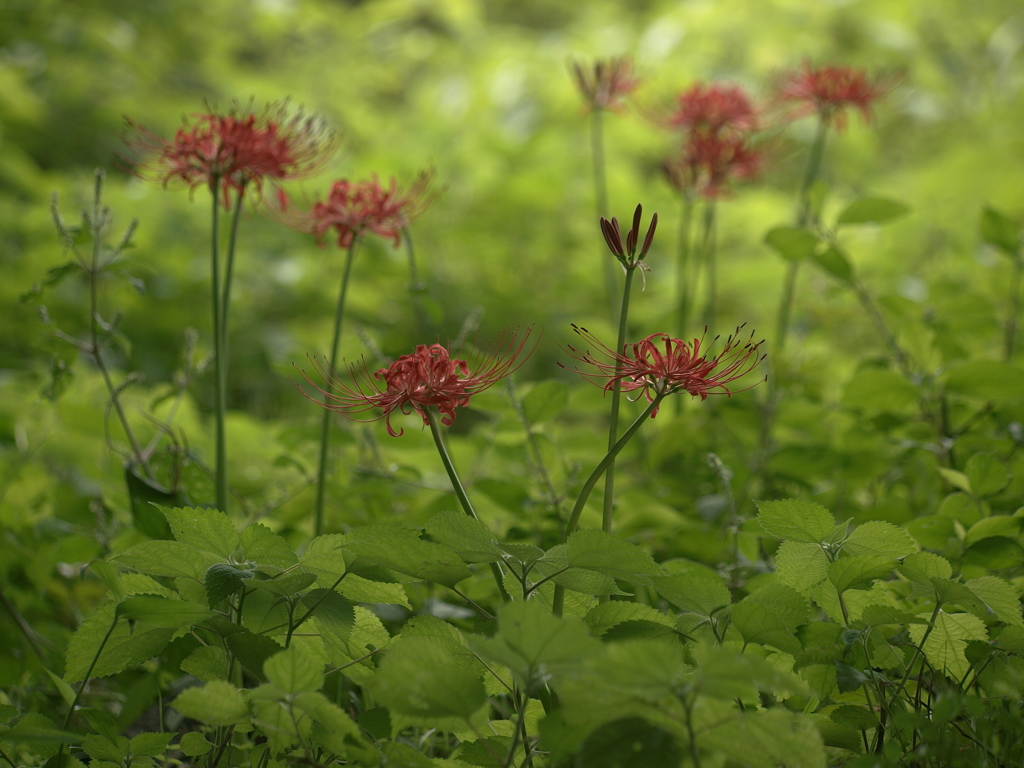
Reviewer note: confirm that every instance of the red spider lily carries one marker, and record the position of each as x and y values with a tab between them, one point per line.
352	207
711	108
230	151
607	83
428	378
829	90
709	164
625	252
660	365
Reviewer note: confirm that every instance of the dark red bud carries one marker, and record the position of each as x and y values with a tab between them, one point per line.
650	236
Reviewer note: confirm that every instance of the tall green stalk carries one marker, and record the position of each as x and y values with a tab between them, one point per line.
683	255
325	424
219	363
416	288
601	197
708	255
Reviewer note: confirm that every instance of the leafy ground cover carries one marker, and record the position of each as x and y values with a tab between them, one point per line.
488	465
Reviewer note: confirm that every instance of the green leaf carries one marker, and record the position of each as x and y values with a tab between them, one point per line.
878	537
1000	230
421	681
194	744
216	703
208	530
874	391
293	672
835	261
792	243
801	565
999	596
795	520
998	525
611	556
337	731
334	614
956	478
629	743
995	553
100	748
987	473
360	590
162	612
470	538
922	567
545	401
944	646
325	557
207	663
859	718
872	210
224	579
400	549
859	571
150	744
122	649
604	616
771	615
700	590
986	380
166	558
266	548
145	497
765	739
949	591
881	615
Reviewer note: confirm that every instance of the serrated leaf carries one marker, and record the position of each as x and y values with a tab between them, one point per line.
100	748
795	520
325	557
194	744
880	615
878	537
999	596
150	744
360	590
872	210
631	742
337	730
524	553
266	548
208	662
545	401
224	579
835	261
792	243
986	380
470	538
367	634
162	612
604	616
700	590
216	703
944	646
400	549
801	565
765	739
607	554
121	649
1000	230
293	672
166	558
922	567
208	530
859	718
859	571
333	613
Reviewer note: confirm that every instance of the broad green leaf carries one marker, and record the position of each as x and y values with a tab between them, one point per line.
758	624
216	703
609	555
944	646
293	672
266	548
285	583
122	648
400	549
146	496
764	739
100	748
194	744
801	565
875	391
986	380
860	718
792	243
224	579
337	730
629	743
872	210
524	553
700	590
283	729
956	478
150	744
877	537
66	692
999	596
166	558
880	615
161	612
208	530
334	614
368	634
859	571
419	680
998	525
962	507
995	553
360	590
835	261
987	474
325	557
207	662
604	616
922	567
1001	231
932	531
252	650
470	538
795	520
949	591
545	401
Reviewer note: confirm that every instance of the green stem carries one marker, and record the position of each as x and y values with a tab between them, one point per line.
613	422
460	491
325	424
219	363
709	243
601	198
683	265
229	270
416	288
88	674
588	486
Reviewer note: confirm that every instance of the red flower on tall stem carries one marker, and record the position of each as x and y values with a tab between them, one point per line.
606	84
428	378
712	108
230	151
829	90
660	365
352	207
707	165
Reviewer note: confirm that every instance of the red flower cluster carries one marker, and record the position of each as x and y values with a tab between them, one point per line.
718	121
352	207
607	84
660	365
231	151
829	90
428	378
